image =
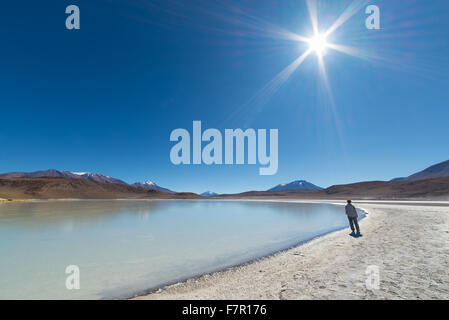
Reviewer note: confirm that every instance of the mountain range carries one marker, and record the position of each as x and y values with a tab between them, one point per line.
428	189
439	170
430	183
69	188
83	175
63	174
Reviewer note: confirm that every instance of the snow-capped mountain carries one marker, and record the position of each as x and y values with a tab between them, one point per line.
82	175
151	185
97	177
209	194
38	174
296	185
63	174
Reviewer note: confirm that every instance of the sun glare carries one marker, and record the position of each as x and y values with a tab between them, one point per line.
318	44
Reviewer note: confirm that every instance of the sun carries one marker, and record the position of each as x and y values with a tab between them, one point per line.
318	43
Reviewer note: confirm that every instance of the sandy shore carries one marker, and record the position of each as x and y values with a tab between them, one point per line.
408	243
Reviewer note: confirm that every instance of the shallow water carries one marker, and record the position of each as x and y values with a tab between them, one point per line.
123	247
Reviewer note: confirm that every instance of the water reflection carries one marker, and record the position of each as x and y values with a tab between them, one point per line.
124	246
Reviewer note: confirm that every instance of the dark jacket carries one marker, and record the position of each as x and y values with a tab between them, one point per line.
351	212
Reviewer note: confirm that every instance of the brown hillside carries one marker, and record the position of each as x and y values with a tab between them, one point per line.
430	189
65	188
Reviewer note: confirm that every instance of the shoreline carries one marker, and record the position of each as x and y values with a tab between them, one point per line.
237	282
273	254
269	255
407	240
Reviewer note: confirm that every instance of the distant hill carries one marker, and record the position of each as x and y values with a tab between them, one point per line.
82	175
54	184
39	174
420	189
65	188
296	185
435	189
151	185
439	170
209	194
69	188
63	174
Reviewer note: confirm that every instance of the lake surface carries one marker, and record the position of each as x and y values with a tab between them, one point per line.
123	247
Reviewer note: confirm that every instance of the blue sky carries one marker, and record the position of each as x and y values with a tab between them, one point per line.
106	97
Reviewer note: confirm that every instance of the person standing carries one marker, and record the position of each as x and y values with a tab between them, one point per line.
351	212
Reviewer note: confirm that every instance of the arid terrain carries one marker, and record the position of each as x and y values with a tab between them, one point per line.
63	188
67	188
437	189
